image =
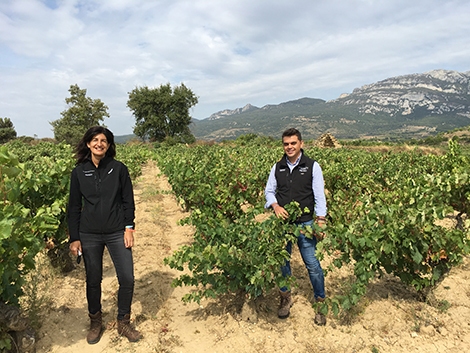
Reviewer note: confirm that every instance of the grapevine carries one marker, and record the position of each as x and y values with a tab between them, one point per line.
383	210
34	187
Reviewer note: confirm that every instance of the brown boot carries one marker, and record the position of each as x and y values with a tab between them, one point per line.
94	335
286	303
320	319
125	329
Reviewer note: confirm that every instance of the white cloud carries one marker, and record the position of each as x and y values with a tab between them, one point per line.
228	52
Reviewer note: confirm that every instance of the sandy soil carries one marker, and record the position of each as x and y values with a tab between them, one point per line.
390	319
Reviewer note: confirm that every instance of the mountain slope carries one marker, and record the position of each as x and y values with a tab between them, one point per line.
407	106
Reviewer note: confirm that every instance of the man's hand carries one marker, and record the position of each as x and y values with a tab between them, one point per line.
321	223
280	211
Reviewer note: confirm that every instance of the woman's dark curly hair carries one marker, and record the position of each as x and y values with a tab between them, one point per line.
82	152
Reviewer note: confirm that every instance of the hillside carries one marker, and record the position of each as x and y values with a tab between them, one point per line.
409	106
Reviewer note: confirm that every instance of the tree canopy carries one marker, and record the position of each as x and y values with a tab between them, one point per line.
162	113
83	113
7	130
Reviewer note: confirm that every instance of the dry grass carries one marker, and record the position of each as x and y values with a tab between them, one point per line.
402	148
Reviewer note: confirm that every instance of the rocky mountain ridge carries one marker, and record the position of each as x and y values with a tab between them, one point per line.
414	105
228	112
437	91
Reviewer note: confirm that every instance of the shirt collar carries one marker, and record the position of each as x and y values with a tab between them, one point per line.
295	163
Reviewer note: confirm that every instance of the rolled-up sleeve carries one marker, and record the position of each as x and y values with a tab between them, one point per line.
270	190
318	187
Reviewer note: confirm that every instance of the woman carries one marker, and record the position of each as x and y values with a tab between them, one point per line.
101	213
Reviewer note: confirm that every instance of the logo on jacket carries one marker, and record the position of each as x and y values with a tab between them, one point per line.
88	172
303	170
111	171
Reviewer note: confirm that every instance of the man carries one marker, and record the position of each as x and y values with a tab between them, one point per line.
298	178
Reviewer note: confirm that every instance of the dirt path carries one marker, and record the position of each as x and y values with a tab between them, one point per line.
389	320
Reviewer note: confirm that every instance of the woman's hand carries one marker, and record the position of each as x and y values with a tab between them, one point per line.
129	238
75	247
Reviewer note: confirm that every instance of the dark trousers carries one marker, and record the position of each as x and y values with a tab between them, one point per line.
93	248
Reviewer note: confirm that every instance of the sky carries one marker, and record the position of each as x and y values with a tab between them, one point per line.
228	52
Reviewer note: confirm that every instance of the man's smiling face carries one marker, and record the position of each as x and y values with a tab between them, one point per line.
292	147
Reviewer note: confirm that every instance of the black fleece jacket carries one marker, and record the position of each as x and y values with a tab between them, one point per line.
101	199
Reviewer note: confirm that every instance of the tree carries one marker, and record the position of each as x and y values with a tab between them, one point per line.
7	130
83	113
162	113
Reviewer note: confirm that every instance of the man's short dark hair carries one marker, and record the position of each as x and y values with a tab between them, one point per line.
291	132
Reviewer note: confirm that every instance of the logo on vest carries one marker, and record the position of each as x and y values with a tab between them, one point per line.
303	170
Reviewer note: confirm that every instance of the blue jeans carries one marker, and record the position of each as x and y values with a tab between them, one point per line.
93	248
308	248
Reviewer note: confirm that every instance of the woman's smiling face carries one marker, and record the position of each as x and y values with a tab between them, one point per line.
98	146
